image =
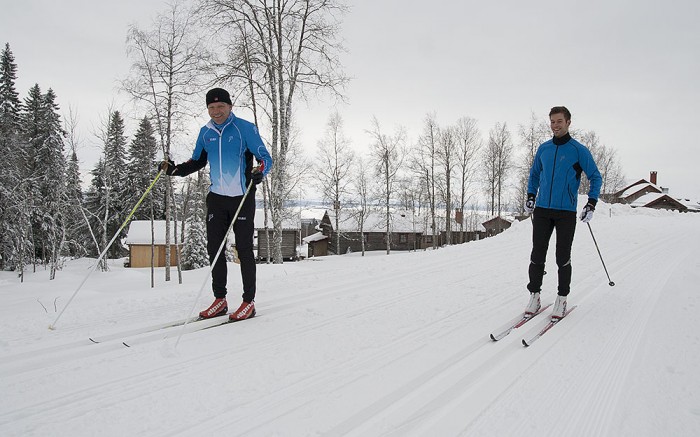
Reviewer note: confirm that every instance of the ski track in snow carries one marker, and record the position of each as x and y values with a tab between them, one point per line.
394	346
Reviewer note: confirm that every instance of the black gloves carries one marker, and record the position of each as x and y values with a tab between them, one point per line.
256	176
168	167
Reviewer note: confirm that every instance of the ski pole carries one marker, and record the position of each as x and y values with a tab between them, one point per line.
53	325
611	283
211	267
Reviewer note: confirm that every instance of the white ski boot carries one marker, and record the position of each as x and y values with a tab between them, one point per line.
559	310
534	305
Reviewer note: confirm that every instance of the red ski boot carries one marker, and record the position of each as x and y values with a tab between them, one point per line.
245	311
218	308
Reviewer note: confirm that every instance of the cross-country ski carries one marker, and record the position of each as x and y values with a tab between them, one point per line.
549	324
519	321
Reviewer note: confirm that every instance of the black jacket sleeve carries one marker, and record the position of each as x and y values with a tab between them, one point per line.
191	166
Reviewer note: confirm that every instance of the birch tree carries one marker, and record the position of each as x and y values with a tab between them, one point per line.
447	156
362	198
424	165
497	162
532	134
334	163
468	140
388	153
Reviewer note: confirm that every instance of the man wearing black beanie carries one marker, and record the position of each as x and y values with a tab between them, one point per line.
229	144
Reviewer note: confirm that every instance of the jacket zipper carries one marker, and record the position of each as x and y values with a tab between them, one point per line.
551	185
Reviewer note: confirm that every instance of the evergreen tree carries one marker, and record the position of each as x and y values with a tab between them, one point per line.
29	167
116	182
75	223
52	186
10	177
97	206
141	171
194	251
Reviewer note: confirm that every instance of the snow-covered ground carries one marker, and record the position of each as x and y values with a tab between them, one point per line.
381	345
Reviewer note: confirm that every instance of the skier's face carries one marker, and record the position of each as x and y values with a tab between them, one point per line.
219	111
559	124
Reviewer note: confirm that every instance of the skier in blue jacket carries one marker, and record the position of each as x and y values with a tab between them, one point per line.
553	186
229	144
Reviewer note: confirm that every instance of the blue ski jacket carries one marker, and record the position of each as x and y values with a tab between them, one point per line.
229	148
555	175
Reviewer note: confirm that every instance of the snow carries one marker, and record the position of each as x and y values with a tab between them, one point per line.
370	346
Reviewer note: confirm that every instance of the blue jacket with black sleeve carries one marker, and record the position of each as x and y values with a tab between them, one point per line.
229	148
555	175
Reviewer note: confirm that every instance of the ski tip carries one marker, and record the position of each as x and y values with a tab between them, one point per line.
93	340
52	328
492	337
525	343
124	343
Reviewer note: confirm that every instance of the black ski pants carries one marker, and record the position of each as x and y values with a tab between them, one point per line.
544	222
220	212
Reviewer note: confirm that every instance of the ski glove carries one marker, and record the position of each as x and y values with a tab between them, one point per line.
168	167
257	175
530	203
587	213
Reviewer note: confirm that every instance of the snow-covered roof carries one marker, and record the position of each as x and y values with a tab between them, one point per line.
639	187
692	205
646	199
318	236
140	232
287	223
400	221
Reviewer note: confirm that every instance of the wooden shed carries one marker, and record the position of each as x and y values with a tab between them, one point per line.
290	241
496	225
139	240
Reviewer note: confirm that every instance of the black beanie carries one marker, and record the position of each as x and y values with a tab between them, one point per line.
218	95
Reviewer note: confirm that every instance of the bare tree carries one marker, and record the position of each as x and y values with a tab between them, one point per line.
168	65
468	145
531	135
362	199
497	162
279	50
448	158
388	153
423	163
606	160
334	162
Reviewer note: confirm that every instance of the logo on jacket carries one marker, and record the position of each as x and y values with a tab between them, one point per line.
230	138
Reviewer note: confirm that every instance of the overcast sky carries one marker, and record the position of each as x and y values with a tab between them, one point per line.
626	69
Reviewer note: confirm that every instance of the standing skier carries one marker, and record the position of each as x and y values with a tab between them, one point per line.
229	144
552	189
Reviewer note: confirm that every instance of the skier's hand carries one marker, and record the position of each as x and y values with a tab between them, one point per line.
168	167
587	213
529	203
256	175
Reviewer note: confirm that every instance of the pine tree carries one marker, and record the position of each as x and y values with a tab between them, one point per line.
97	206
194	251
30	169
75	223
52	188
116	181
142	169
10	199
